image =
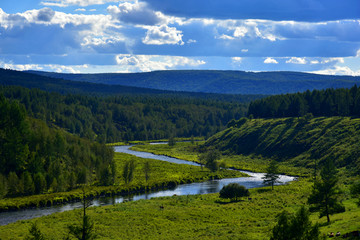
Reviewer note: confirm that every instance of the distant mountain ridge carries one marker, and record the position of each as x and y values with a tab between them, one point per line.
214	81
30	80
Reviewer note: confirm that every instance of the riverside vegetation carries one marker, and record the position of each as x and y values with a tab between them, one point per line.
41	156
161	175
199	216
190	217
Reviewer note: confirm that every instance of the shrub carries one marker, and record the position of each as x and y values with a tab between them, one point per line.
234	191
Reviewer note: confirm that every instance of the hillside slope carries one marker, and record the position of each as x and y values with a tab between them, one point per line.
298	140
86	87
212	81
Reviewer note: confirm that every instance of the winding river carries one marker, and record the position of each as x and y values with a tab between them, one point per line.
213	186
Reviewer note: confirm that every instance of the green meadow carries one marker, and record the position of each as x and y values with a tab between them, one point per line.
192	217
162	175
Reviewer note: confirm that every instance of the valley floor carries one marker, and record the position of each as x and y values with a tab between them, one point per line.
193	216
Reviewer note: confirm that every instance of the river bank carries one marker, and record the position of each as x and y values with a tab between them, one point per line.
164	175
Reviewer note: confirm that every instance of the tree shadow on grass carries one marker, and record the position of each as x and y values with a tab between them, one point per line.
224	202
263	190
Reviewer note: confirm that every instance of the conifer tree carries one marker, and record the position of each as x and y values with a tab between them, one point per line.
272	176
324	196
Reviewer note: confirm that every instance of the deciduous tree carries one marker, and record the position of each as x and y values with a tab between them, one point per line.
234	191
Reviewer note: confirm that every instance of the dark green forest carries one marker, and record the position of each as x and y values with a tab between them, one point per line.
129	117
328	102
213	81
35	158
84	87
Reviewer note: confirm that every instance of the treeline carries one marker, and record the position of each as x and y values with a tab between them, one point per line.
329	102
127	117
36	159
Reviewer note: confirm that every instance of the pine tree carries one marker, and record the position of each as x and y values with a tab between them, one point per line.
272	176
86	230
147	170
34	233
293	227
325	192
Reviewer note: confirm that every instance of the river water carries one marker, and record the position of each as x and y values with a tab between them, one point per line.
213	186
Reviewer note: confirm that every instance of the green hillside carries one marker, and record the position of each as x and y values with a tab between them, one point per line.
212	81
301	141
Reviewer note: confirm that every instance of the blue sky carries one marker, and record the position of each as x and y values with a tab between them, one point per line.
87	36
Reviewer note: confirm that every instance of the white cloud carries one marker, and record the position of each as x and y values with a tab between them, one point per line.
226	37
20	67
326	60
270	60
240	32
80	10
146	63
44	67
159	35
296	60
339	70
82	3
135	13
236	59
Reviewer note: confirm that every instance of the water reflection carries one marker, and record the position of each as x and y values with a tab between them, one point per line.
212	186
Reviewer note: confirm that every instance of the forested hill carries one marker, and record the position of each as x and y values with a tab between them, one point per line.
211	81
130	117
329	102
84	87
302	141
37	159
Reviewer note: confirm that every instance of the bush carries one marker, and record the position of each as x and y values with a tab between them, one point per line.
298	226
234	191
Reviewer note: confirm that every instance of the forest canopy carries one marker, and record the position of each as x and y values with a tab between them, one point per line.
127	117
325	103
38	159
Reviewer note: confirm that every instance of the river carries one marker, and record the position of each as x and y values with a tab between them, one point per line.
213	186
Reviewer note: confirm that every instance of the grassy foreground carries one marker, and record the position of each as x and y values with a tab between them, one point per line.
190	152
162	175
191	217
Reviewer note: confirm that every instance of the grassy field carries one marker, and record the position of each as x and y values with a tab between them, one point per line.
192	217
162	175
189	151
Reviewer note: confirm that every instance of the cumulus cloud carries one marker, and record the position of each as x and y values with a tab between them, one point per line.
45	15
47	32
327	60
296	60
44	67
135	13
240	31
146	63
270	60
339	70
159	35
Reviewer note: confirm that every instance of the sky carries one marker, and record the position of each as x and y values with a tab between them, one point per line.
96	36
